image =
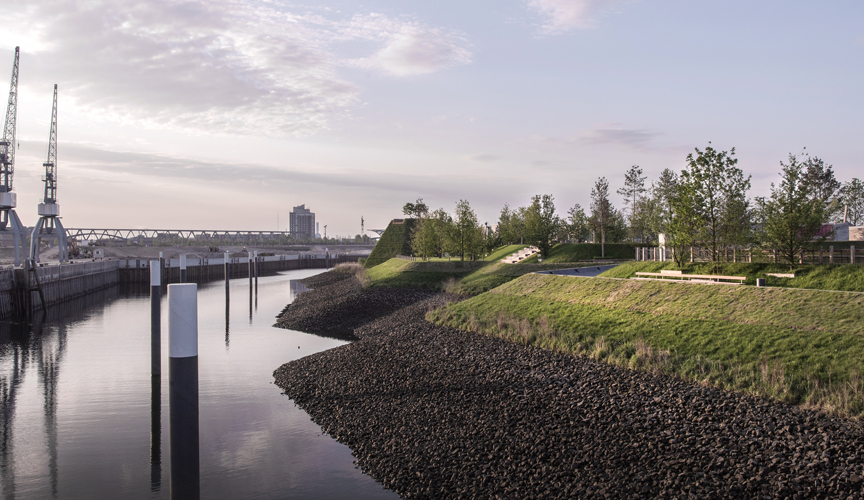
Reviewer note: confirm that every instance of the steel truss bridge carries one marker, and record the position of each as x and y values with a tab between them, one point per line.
91	234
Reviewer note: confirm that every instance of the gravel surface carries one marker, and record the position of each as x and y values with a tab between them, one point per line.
433	412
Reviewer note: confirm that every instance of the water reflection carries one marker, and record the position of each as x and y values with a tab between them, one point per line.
155	434
82	417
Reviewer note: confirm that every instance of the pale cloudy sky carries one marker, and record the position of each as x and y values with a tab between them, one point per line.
220	114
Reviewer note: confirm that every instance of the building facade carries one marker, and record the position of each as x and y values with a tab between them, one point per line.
302	222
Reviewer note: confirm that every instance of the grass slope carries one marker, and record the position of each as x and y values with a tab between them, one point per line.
824	277
574	252
401	273
799	346
395	241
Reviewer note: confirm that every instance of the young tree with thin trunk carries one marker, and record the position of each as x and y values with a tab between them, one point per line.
541	223
634	188
601	211
822	184
792	217
853	201
467	232
577	224
717	187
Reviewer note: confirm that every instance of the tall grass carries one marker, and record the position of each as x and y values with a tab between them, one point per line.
812	368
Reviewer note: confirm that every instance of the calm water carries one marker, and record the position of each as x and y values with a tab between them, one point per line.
78	407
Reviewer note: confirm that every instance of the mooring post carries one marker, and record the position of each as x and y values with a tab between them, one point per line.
155	318
183	268
251	271
227	272
183	389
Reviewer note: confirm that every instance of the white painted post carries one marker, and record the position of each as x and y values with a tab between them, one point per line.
155	319
183	268
183	392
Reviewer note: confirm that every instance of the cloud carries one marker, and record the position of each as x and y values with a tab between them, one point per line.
410	49
131	167
231	67
614	134
563	15
484	158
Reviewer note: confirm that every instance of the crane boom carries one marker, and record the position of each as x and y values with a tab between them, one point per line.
7	145
51	164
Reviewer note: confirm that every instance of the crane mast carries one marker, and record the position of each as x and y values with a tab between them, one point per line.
49	226
7	145
51	164
9	220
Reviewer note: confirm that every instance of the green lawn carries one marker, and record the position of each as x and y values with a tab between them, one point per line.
799	346
574	252
823	277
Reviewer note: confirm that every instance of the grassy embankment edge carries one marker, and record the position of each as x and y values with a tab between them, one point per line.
802	347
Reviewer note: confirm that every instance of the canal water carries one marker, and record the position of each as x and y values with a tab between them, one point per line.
82	418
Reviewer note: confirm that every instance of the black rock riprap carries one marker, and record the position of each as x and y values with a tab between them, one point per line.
434	412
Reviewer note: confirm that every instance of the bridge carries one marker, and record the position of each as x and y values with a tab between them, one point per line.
204	235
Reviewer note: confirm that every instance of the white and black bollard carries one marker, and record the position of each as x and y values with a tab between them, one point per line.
183	389
155	318
183	268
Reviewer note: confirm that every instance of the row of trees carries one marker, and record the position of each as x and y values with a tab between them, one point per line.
706	205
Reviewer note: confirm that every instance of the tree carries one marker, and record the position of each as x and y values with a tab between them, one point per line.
417	210
428	239
634	187
601	211
683	222
719	197
822	184
541	223
853	199
792	216
577	225
466	231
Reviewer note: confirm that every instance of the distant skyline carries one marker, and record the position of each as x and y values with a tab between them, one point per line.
221	114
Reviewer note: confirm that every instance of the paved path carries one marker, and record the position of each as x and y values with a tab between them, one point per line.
585	272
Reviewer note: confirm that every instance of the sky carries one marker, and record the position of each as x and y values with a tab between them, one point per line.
224	114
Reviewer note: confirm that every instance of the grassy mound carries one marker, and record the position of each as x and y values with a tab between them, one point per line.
400	273
845	277
396	240
798	346
574	252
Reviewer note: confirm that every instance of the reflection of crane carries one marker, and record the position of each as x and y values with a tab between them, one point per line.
8	199
49	226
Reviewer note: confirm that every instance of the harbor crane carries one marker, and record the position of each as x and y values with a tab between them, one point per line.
9	221
49	226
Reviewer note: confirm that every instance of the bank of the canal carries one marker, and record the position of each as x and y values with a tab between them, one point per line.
76	419
435	412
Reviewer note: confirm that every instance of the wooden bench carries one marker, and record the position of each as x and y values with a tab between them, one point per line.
694	278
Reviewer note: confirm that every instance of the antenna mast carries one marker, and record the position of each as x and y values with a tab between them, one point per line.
9	220
49	226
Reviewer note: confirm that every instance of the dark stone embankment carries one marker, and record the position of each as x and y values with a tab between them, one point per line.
434	412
